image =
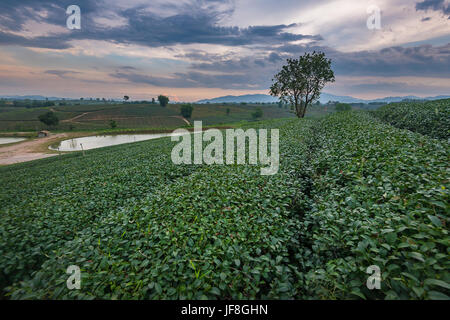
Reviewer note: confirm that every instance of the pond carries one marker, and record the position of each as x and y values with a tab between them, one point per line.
7	140
93	142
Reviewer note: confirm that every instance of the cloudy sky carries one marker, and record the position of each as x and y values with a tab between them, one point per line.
194	49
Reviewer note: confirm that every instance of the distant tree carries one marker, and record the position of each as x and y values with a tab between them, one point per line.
49	119
257	114
112	124
153	101
163	100
186	110
301	80
126	98
340	107
228	111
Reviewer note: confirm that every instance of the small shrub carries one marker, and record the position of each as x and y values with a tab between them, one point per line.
50	119
186	110
112	124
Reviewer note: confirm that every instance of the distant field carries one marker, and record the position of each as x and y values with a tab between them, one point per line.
98	116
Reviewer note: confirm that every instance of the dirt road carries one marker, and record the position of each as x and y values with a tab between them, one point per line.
28	150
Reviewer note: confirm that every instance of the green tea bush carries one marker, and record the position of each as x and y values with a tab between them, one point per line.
351	192
222	231
44	204
379	197
431	118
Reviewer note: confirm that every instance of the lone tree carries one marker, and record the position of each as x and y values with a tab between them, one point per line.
49	119
163	100
126	98
300	81
186	110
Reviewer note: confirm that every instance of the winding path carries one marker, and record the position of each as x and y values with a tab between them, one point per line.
27	150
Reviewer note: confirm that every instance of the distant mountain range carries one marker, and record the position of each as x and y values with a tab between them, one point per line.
261	98
40	98
36	97
324	98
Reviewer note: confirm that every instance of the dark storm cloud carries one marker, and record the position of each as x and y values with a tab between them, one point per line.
197	80
14	14
435	5
199	24
424	60
61	73
151	30
127	68
256	72
50	42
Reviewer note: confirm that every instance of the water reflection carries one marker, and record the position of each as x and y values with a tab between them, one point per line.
93	142
10	140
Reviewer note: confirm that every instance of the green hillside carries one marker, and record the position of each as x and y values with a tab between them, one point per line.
351	192
431	118
128	116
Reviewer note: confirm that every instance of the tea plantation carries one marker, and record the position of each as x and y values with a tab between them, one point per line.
430	118
352	191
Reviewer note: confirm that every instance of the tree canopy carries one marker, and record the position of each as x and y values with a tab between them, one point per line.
163	100
49	119
301	80
186	110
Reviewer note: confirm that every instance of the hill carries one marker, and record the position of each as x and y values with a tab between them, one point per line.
324	98
351	192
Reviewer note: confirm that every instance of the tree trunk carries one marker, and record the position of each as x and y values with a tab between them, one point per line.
299	109
296	106
304	111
